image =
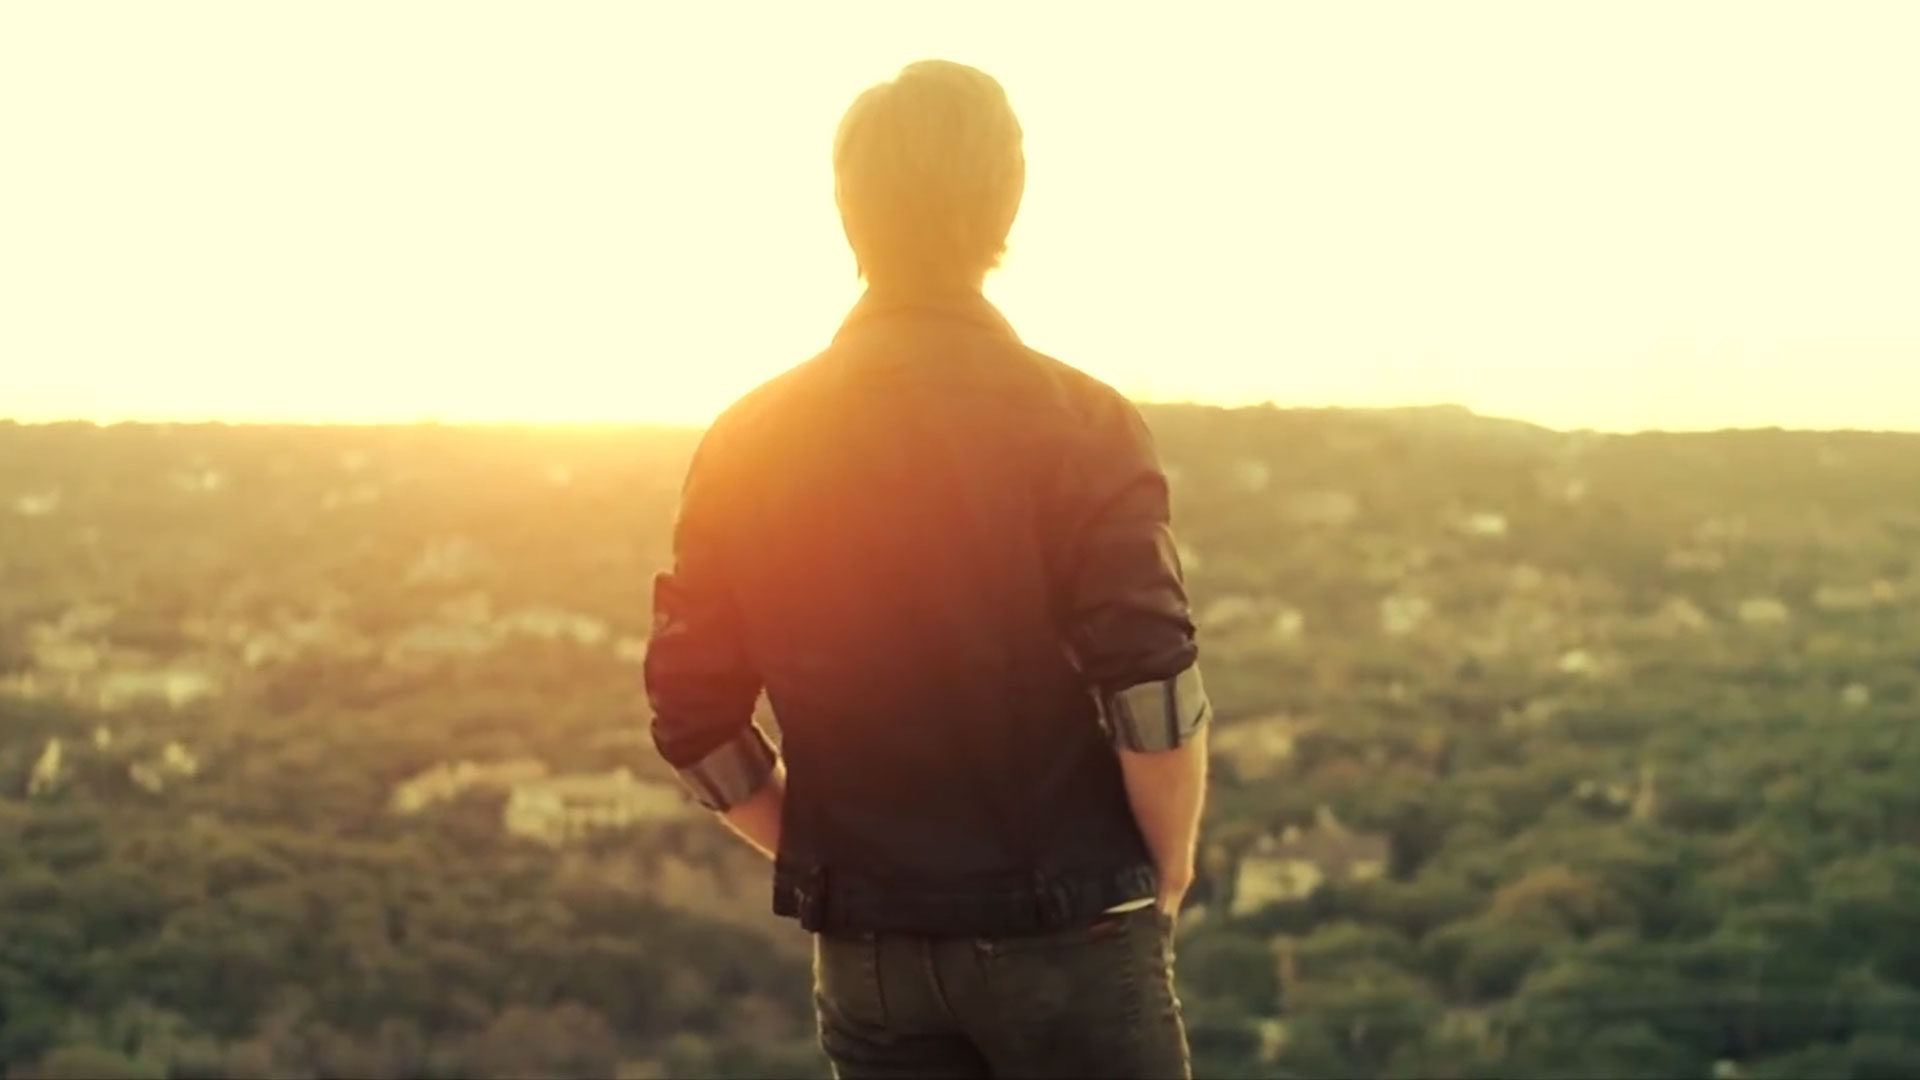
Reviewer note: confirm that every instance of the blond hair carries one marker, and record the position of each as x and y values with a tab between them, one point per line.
928	172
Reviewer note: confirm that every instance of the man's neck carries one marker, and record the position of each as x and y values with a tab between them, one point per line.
969	304
911	291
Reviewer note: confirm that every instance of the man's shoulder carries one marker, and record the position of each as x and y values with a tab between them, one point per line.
749	411
1070	392
1091	400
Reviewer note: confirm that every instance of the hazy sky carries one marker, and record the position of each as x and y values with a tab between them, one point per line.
1589	214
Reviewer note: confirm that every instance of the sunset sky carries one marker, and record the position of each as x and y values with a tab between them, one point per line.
1611	215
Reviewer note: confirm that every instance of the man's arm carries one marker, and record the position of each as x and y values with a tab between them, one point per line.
699	679
1167	790
1133	637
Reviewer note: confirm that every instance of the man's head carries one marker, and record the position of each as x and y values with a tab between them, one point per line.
928	172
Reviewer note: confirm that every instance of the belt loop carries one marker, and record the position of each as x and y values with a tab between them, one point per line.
813	899
1048	910
934	983
823	897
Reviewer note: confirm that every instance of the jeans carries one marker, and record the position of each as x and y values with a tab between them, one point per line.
1092	1001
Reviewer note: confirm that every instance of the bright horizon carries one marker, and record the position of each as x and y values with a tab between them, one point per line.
1616	217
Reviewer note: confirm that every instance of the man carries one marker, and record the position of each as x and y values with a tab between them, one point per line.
947	561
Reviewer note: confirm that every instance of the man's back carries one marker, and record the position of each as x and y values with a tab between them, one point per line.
948	563
900	534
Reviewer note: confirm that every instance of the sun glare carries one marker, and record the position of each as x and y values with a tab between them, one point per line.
624	212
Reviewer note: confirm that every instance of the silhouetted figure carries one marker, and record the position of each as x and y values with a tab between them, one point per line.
947	561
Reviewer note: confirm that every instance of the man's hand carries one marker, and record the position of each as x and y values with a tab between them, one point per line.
757	820
1173	893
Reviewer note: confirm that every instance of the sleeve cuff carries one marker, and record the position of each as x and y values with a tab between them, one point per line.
1160	715
733	773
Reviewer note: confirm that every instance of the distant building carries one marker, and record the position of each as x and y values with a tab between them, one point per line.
565	809
1225	612
1300	861
1256	749
1485	523
1585	663
1839	598
174	762
453	559
323	634
37	504
1252	474
353	495
200	481
50	771
441	639
468	627
552	624
1289	624
1764	611
444	781
85	619
1329	508
1696	560
58	654
176	686
1402	614
1678	617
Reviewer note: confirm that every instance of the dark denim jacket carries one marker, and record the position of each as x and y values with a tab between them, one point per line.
947	561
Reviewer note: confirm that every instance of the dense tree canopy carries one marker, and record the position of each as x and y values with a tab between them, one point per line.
1628	715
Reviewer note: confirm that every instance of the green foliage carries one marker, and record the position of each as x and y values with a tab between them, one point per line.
1621	841
1231	969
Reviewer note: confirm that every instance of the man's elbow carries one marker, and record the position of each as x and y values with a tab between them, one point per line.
1160	715
719	776
702	701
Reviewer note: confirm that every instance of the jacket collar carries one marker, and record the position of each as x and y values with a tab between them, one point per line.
968	306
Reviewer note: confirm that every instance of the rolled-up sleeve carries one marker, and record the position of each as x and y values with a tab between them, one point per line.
1130	628
700	680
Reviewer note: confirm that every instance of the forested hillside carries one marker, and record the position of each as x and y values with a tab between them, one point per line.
1541	754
